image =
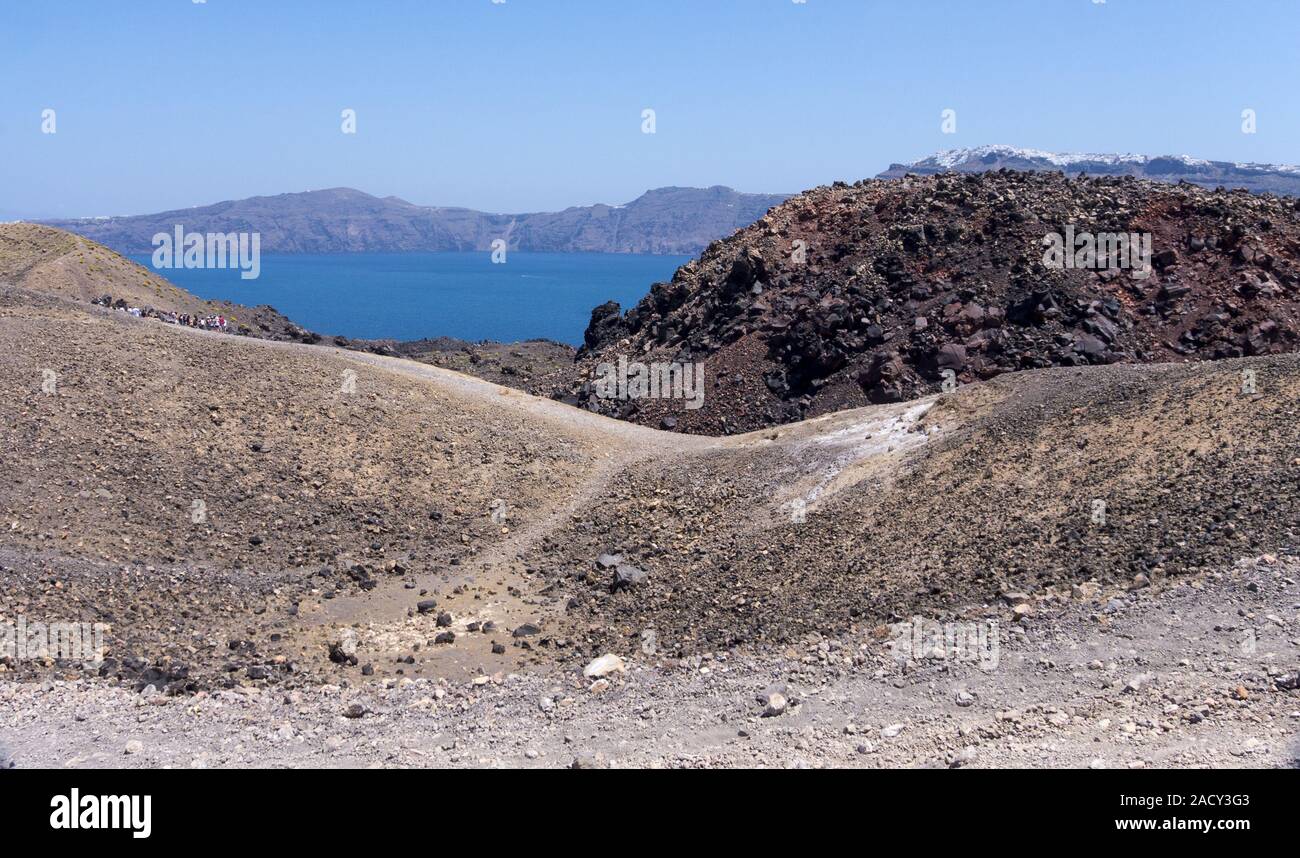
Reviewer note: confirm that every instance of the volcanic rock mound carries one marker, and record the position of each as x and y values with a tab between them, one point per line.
884	290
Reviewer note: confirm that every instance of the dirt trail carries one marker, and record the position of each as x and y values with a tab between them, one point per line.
411	436
497	572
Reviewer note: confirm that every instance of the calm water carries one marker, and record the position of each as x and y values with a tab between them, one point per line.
407	296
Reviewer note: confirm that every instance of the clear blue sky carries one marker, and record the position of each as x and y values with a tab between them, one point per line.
536	104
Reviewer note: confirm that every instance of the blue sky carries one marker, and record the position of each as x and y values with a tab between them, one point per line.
536	104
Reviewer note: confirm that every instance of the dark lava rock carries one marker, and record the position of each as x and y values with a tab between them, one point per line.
626	576
900	282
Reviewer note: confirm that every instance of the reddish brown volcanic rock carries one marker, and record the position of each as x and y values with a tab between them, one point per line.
902	280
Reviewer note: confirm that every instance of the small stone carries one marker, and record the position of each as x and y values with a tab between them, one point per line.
626	576
344	649
774	704
1085	591
603	666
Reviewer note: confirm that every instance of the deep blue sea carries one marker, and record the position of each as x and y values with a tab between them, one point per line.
407	296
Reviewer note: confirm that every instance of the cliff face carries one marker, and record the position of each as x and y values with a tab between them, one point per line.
342	220
884	290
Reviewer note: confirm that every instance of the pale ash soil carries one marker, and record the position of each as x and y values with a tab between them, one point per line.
1193	675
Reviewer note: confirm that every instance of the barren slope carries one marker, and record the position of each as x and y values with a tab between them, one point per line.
235	506
1028	484
187	486
60	263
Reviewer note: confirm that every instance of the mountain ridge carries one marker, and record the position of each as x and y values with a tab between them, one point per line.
668	220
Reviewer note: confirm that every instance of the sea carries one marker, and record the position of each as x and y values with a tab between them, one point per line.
410	296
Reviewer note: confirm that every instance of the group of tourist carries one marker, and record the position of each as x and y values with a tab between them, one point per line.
212	322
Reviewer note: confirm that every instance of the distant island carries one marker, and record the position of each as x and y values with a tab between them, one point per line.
673	220
343	220
1260	178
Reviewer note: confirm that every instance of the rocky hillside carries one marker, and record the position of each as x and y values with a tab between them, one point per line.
342	220
189	487
1273	178
244	514
879	291
1019	492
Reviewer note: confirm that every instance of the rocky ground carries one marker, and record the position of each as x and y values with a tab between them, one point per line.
1032	483
853	294
1199	674
307	554
532	366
